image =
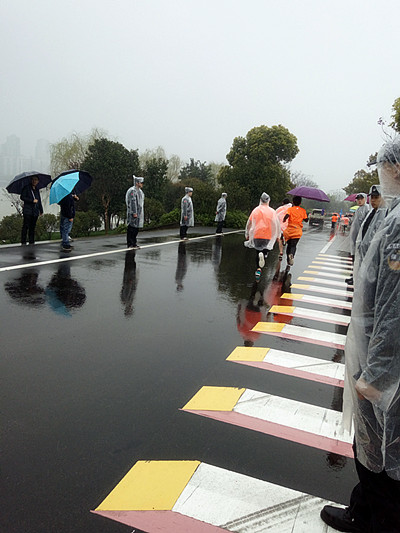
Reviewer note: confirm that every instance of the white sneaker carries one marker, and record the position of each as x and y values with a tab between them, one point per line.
261	259
291	260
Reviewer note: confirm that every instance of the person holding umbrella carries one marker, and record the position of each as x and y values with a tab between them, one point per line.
31	211
67	216
295	216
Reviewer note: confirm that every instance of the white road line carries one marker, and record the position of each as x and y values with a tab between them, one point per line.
109	252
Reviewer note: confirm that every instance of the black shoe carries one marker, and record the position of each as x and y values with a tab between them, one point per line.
66	248
349	281
340	519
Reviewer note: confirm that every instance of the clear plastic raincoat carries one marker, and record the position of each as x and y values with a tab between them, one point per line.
362	243
135	206
281	212
263	227
356	222
187	211
221	209
373	350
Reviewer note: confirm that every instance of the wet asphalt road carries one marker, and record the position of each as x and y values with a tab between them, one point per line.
98	355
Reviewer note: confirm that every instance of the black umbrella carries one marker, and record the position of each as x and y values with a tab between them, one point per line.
85	180
21	180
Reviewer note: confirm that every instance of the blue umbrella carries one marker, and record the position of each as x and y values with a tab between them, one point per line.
21	180
62	186
84	181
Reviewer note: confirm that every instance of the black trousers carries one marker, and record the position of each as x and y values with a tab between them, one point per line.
220	224
375	501
291	246
131	235
183	231
28	228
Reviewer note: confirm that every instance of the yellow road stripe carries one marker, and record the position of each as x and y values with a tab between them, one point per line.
272	327
150	485
245	353
215	399
282	309
299	286
292	296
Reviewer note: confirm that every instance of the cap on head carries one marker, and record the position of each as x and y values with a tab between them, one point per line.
361	195
188	189
224	194
136	179
375	190
265	198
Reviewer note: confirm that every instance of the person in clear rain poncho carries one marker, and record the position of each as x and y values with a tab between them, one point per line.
262	230
134	199
220	212
358	218
187	213
372	382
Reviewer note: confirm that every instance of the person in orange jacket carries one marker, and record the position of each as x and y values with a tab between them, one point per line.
295	216
334	219
262	230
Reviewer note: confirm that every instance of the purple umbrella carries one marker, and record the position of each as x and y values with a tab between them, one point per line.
352	198
311	193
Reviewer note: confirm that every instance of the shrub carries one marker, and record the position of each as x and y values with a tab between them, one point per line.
173	217
46	225
236	219
10	229
84	223
153	210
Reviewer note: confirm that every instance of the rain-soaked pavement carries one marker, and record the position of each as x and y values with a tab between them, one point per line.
99	353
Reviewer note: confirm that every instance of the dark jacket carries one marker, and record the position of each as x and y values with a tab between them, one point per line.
28	194
67	206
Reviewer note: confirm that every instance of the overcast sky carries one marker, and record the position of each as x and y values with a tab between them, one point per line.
190	75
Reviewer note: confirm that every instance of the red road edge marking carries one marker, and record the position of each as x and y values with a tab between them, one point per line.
293	372
303	339
277	430
168	521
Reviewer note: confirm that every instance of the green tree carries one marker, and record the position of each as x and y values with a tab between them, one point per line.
257	164
69	152
155	173
196	169
47	224
10	228
396	115
111	166
362	181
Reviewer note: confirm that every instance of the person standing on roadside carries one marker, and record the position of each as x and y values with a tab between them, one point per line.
220	213
187	213
134	199
31	211
358	219
372	380
67	216
295	216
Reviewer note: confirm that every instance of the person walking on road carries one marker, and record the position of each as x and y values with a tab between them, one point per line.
187	213
358	219
67	216
372	381
262	230
295	216
31	211
220	213
281	212
334	219
134	199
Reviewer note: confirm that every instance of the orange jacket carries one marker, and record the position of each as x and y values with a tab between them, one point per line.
294	229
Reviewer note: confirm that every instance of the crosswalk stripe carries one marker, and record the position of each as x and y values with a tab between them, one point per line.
291	420
300	333
340	266
312	314
326	290
326	274
346	271
323	281
309	298
292	364
336	257
215	500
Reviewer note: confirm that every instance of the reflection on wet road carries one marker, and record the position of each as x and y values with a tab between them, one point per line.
99	354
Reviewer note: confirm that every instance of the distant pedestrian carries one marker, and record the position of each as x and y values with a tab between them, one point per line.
262	230
220	213
281	212
334	219
32	209
134	199
295	217
187	213
344	223
67	216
